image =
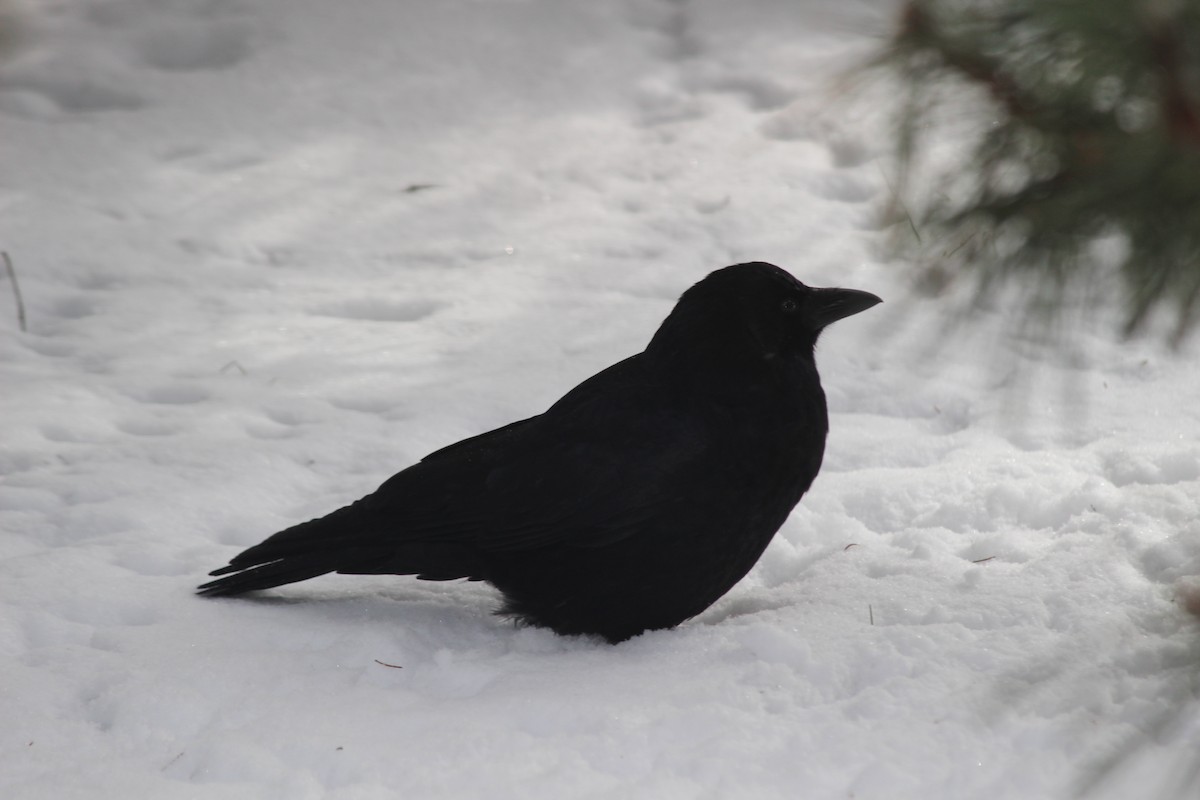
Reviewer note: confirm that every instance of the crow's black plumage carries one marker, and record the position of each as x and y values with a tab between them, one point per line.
635	501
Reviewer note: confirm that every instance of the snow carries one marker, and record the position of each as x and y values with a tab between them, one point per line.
272	252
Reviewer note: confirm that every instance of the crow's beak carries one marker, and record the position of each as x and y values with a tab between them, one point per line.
826	306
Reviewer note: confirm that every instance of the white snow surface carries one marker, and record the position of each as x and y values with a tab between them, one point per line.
273	251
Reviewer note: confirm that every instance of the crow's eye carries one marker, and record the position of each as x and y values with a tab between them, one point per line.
789	306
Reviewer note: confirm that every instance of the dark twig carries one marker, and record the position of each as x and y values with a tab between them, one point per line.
12	276
385	664
899	203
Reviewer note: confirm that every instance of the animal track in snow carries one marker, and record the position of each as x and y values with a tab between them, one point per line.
761	94
51	348
193	35
804	121
660	102
365	405
843	188
711	204
173	394
215	161
794	124
142	426
74	433
672	21
270	431
73	308
195	46
374	309
1124	468
849	151
44	94
295	413
99	281
83	64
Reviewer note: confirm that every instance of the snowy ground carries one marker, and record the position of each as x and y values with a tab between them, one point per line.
273	251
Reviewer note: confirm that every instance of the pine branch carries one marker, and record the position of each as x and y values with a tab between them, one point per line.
1095	136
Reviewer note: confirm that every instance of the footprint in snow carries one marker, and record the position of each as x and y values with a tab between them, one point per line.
760	94
73	308
843	188
803	122
374	309
671	21
51	348
138	426
193	46
294	413
75	433
365	405
49	95
1123	468
270	432
173	394
176	37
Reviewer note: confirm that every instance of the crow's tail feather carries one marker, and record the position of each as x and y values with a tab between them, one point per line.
347	541
298	553
265	576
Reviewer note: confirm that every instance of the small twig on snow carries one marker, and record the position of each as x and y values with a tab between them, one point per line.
898	203
385	664
12	276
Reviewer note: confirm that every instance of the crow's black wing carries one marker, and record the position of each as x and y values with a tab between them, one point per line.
611	455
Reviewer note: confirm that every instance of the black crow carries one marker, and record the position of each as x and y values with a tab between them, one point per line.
635	501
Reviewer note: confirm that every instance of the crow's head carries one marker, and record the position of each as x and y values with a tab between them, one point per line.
754	311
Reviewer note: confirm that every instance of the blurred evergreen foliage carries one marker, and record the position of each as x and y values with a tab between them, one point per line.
1089	167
